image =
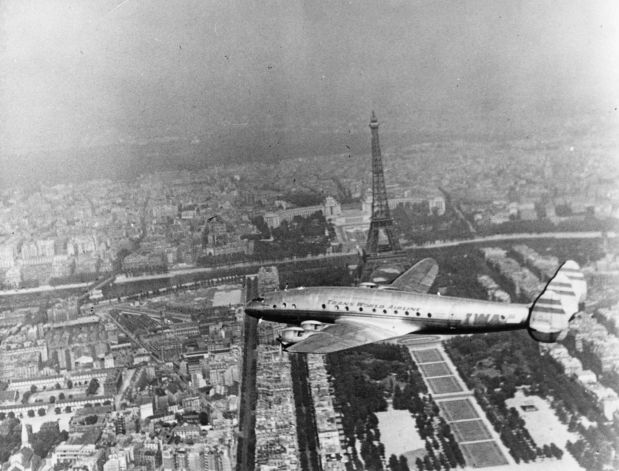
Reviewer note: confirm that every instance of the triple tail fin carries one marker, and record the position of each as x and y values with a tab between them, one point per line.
553	309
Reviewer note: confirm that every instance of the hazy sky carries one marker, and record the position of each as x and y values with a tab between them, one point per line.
91	72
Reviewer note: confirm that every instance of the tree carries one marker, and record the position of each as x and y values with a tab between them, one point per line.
61	396
69	384
67	409
203	418
93	387
573	424
11	441
2	416
30	413
41	411
91	420
404	463
33	388
556	451
52	399
398	402
443	461
381	449
57	410
394	464
43	441
25	397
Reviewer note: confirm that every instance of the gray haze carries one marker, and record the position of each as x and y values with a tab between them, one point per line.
268	78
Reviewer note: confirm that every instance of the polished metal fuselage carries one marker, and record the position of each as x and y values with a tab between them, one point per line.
424	313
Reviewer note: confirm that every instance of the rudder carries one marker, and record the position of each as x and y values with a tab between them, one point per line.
572	271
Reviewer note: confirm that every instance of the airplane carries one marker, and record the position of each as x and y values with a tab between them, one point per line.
329	319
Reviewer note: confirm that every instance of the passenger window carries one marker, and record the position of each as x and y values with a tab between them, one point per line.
324	306
429	315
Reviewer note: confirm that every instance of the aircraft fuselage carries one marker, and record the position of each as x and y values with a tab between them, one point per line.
407	312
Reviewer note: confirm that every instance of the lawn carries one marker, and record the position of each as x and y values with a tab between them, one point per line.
470	430
444	385
427	356
458	409
483	454
542	423
226	296
398	432
430	370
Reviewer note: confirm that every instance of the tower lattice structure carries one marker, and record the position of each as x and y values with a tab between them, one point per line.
381	221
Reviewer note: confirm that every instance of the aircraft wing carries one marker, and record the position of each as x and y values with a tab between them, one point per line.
418	278
348	333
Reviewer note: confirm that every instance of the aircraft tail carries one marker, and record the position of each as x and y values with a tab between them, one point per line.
574	274
553	309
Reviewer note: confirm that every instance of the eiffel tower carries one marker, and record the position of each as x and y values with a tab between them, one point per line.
381	223
382	246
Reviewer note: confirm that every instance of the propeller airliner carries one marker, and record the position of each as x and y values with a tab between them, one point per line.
329	319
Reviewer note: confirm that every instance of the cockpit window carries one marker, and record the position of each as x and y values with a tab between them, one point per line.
258	300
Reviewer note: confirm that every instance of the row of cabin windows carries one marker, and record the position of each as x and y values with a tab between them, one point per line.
324	306
417	313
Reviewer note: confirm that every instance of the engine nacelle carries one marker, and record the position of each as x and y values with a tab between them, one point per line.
312	326
292	335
